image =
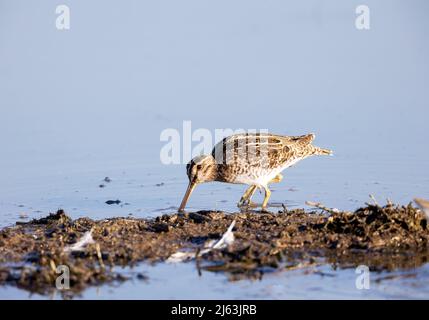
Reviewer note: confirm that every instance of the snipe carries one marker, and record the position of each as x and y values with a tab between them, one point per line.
254	159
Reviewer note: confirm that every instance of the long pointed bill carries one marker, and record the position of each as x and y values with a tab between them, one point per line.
191	188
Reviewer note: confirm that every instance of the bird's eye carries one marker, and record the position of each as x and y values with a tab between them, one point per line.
199	167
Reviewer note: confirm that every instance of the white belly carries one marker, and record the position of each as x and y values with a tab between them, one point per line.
261	177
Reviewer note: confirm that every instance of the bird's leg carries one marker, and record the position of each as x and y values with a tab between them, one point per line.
245	199
267	196
249	198
278	178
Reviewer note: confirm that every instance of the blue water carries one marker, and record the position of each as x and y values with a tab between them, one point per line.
90	102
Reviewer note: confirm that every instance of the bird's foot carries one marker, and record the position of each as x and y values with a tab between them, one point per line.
243	203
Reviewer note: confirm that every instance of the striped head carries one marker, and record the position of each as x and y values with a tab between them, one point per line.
200	169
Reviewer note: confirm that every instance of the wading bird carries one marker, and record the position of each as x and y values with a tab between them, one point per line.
254	159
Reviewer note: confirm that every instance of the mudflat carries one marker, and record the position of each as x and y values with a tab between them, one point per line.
382	237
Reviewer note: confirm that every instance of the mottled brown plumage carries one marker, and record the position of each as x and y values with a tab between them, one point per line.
255	159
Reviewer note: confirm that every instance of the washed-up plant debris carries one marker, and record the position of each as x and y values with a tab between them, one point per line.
227	239
245	244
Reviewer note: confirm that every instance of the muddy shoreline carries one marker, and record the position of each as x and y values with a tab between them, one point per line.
382	237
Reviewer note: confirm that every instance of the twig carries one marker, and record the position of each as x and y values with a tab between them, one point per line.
374	200
321	206
52	265
284	208
99	256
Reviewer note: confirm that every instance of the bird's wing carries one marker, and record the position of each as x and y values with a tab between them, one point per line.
258	149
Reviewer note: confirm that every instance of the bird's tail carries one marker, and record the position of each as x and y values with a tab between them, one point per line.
321	151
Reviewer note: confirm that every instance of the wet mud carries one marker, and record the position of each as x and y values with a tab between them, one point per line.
382	237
